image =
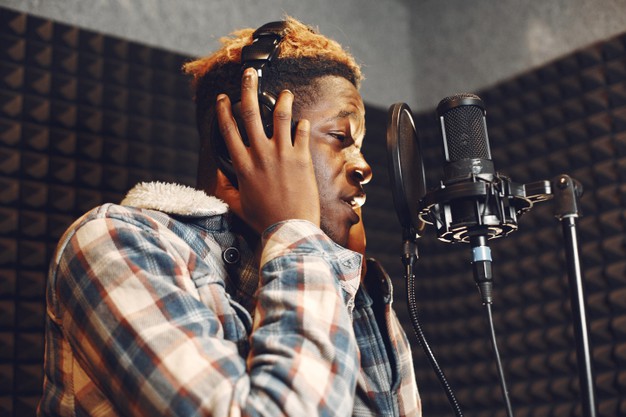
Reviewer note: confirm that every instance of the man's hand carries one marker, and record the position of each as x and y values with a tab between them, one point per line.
227	192
275	176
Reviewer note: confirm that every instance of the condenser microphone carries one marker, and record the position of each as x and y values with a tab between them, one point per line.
472	199
462	121
473	203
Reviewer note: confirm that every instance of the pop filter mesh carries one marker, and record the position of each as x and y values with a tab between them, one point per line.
406	165
410	162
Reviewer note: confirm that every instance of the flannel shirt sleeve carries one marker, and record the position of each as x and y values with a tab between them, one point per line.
124	298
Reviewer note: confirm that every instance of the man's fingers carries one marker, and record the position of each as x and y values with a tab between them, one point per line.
302	135
228	129
282	120
250	113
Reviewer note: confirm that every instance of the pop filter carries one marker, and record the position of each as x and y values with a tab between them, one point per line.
406	167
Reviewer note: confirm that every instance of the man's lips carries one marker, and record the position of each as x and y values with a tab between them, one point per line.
355	201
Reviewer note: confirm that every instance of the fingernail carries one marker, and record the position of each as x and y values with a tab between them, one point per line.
249	73
221	97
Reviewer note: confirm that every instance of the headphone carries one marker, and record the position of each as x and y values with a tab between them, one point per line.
258	55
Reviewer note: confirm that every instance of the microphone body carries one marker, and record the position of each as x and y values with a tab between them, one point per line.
472	199
473	202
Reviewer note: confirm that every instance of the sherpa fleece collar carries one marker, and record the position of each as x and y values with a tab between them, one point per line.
174	199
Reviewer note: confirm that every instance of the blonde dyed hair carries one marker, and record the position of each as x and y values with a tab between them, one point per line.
300	41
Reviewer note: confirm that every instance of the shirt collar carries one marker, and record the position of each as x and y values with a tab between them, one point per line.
174	199
200	208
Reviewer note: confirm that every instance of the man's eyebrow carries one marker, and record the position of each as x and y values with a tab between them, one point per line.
347	114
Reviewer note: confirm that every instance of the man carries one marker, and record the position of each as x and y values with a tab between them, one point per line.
175	303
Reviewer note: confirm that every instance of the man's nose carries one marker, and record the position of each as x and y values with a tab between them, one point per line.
359	170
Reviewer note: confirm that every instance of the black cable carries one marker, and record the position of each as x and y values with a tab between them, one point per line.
410	293
494	345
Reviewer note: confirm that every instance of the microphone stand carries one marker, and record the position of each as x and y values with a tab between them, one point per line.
566	190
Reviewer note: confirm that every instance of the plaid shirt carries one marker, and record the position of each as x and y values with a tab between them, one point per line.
168	315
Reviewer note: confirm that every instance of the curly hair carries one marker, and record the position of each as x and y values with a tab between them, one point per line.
304	57
299	41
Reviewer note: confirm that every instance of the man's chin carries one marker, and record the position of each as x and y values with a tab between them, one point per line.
337	234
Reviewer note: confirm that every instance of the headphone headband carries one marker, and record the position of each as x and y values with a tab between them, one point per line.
264	47
278	28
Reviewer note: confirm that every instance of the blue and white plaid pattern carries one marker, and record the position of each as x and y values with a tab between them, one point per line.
144	318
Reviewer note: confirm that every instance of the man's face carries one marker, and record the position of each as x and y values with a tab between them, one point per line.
337	130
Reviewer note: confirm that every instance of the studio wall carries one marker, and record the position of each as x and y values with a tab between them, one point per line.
84	116
365	27
413	51
464	46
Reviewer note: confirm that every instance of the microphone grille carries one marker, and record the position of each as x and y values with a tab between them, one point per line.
464	124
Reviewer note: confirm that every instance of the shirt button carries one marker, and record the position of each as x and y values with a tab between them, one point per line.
231	255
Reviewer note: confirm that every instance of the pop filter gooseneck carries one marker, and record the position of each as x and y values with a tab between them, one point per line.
408	185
